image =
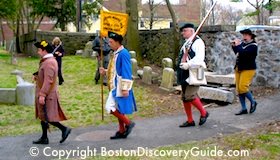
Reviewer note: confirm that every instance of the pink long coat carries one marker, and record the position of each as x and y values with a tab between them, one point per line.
46	85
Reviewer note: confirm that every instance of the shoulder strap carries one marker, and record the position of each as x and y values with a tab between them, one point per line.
56	48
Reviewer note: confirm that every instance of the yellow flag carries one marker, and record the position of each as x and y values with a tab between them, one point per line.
113	21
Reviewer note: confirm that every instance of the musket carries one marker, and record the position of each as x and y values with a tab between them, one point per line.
200	26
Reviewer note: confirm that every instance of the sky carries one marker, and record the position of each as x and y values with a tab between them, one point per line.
242	5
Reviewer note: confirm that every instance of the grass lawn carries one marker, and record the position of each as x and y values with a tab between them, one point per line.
6	79
80	96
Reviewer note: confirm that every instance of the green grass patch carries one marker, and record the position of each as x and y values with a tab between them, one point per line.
6	79
262	143
80	96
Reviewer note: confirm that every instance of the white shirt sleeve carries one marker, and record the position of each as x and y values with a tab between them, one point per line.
199	48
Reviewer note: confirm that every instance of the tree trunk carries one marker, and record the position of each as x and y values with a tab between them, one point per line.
39	23
175	29
2	32
78	15
213	14
132	35
270	7
17	36
151	7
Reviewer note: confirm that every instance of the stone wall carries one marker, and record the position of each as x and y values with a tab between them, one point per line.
220	58
158	44
71	41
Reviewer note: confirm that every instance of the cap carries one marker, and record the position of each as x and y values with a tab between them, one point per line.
44	45
248	31
187	25
115	36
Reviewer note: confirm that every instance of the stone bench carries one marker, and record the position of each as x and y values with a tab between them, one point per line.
8	95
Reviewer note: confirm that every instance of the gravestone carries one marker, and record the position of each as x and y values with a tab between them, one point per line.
167	75
79	52
25	92
134	68
167	62
94	54
147	75
132	54
88	49
167	79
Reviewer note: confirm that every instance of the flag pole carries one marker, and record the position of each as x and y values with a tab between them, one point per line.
101	76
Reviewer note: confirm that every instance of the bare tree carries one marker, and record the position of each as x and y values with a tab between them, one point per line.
258	6
213	14
205	7
227	15
175	29
2	32
132	30
151	8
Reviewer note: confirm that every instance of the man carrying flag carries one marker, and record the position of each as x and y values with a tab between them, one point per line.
121	100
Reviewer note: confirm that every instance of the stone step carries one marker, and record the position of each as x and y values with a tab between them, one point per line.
220	79
215	94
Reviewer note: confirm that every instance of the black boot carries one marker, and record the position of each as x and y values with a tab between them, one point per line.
65	134
242	112
202	120
187	124
60	80
129	129
253	107
44	138
41	141
65	130
118	135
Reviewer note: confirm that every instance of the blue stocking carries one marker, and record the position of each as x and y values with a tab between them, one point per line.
242	101
250	97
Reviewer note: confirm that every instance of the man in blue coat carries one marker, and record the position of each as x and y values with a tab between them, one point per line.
121	100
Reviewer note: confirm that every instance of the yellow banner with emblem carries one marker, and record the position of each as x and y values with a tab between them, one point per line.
113	21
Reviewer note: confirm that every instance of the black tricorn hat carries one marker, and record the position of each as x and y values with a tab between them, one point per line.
248	31
187	25
115	36
44	45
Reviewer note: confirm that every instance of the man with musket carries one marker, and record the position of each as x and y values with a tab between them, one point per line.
190	56
47	106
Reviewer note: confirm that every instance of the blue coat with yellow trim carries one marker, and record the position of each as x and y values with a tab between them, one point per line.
126	105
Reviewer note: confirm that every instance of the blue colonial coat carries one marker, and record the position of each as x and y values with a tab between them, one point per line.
123	70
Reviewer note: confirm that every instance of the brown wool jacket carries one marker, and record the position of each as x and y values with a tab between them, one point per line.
46	85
